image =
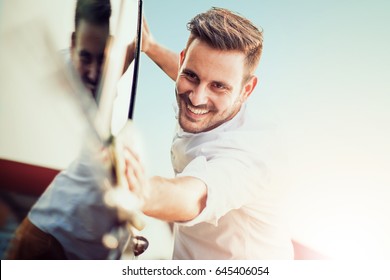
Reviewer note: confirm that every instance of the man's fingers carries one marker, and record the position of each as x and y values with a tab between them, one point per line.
133	161
135	173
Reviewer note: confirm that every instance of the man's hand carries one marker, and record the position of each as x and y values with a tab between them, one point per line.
146	45
147	38
127	196
166	59
135	174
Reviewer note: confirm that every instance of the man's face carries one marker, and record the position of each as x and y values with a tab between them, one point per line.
209	88
87	52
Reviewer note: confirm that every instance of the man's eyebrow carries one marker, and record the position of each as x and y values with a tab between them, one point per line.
223	83
85	53
186	70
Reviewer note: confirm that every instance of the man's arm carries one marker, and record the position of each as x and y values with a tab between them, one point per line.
166	59
179	199
130	55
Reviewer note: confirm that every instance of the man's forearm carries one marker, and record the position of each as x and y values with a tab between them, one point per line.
167	60
130	54
175	200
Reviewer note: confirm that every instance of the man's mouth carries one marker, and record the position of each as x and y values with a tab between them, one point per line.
197	111
91	87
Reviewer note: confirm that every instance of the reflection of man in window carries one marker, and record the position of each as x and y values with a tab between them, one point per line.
89	40
70	219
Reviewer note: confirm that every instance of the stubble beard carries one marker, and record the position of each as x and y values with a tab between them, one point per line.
214	119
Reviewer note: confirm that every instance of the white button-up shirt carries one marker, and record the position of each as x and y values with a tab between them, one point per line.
72	209
242	218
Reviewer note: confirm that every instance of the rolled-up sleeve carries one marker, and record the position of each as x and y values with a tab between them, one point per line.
230	185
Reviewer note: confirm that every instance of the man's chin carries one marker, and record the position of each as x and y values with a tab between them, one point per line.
191	127
197	127
92	90
94	93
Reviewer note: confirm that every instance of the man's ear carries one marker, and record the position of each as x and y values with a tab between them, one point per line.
249	87
73	40
182	56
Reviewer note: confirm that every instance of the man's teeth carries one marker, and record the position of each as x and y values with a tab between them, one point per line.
197	111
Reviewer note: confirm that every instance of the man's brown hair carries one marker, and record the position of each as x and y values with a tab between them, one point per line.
93	11
225	30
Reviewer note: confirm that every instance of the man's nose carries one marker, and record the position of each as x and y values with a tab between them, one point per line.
198	96
93	71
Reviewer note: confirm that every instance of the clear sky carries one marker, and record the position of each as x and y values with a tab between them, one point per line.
325	77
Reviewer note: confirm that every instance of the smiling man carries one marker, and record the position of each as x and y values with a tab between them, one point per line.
224	199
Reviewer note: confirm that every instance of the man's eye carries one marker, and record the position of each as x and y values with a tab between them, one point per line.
85	59
190	76
219	86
